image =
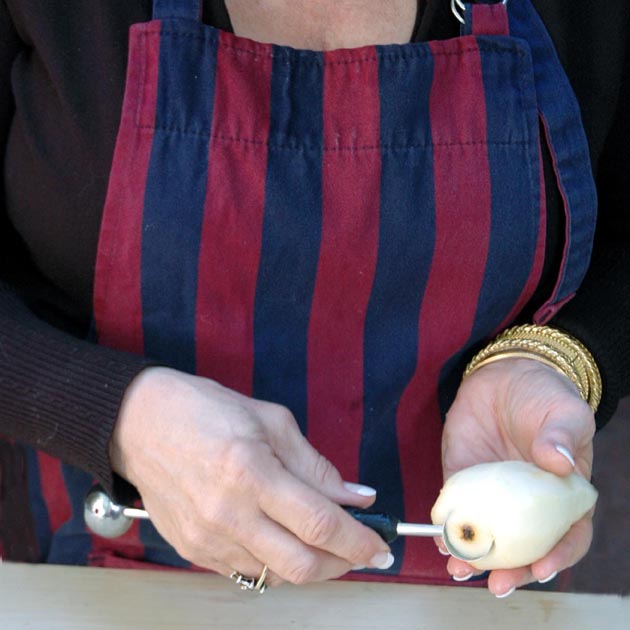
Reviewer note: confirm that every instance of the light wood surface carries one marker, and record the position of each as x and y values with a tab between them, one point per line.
72	598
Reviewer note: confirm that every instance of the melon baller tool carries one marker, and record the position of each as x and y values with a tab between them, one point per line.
109	519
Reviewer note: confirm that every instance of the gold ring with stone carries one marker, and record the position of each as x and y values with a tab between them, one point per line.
249	583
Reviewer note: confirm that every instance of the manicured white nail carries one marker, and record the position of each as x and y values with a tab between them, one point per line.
506	594
564	451
443	551
463	578
382	560
359	567
357	488
548	578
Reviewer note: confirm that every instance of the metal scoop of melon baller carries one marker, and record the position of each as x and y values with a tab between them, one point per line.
109	519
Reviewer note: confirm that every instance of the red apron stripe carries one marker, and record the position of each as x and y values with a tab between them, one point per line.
347	260
233	215
117	294
54	490
490	19
462	221
118	267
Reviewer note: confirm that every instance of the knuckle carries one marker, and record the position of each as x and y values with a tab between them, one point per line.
236	465
194	538
281	417
320	527
216	517
303	572
324	472
362	551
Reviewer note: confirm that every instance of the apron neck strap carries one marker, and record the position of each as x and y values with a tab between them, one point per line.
183	9
486	19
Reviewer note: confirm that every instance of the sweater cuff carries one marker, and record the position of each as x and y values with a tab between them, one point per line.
60	394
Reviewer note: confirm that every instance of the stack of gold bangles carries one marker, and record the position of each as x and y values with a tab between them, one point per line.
548	345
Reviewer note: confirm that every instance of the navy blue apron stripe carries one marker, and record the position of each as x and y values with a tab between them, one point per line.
291	233
174	206
175	196
512	146
165	556
157	550
73	543
406	233
539	253
39	509
568	144
182	9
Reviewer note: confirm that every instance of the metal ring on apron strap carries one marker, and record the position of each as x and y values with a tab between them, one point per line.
458	8
456	13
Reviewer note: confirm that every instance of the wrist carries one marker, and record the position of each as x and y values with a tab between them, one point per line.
549	346
134	417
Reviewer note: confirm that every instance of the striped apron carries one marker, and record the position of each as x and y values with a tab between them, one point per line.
332	231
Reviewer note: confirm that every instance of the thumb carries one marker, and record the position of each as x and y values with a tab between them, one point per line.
560	442
302	460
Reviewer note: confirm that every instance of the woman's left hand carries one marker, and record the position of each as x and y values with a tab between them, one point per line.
521	409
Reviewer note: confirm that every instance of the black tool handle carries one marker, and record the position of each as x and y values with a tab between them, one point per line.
385	525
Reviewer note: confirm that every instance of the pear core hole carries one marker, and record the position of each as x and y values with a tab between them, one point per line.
467	533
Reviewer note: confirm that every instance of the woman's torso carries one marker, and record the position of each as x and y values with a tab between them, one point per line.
68	83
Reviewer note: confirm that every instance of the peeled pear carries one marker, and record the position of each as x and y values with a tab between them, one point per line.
511	513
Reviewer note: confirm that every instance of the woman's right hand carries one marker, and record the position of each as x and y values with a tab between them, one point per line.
231	483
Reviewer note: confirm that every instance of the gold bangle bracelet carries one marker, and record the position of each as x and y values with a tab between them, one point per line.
550	346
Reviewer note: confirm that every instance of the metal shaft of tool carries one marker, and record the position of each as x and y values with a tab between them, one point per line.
402	529
419	529
130	512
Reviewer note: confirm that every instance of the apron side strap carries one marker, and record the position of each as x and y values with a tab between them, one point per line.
486	19
562	120
182	9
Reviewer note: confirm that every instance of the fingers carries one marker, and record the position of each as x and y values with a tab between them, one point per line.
320	523
220	554
502	582
238	472
570	550
306	463
281	521
563	445
291	559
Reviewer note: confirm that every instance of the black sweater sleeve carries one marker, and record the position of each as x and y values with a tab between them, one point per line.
599	315
57	392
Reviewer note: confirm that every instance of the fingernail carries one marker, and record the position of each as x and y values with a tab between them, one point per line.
359	567
443	551
364	491
382	560
506	594
463	578
548	578
564	451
